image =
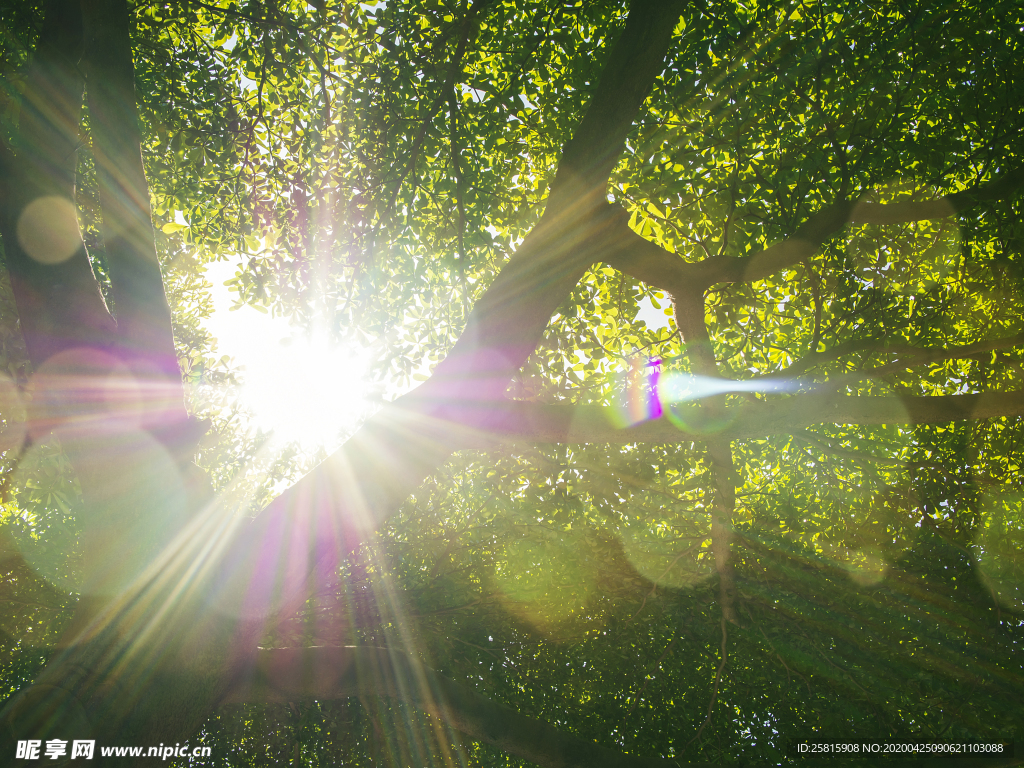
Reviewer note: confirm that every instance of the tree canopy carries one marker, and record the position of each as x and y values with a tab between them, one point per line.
692	416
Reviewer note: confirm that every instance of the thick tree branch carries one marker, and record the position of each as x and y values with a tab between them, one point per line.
140	306
1007	185
646	261
723	505
653	265
134	494
246	569
914	356
690	310
509	319
372	474
542	423
318	674
59	301
804	410
639	258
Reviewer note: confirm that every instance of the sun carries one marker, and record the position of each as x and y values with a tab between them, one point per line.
300	386
306	390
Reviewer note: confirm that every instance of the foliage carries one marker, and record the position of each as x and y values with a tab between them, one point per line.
378	165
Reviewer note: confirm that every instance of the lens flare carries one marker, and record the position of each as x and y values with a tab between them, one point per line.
546	585
650	394
84	390
302	387
41	521
642	399
680	387
867	567
48	229
665	559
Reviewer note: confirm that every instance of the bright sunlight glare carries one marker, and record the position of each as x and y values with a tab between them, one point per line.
303	389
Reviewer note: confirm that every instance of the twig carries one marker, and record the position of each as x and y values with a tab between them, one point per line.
473	645
816	294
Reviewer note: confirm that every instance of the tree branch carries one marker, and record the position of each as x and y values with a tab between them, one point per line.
916	355
804	410
653	265
690	311
1006	185
58	299
136	286
542	423
507	322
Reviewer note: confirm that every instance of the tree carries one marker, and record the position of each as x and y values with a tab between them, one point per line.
811	467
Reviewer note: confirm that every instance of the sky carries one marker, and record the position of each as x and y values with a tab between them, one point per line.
655	318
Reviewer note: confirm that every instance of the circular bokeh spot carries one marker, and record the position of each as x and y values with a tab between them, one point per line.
135	505
546	584
867	567
665	558
999	548
48	229
83	390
